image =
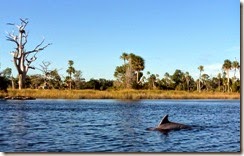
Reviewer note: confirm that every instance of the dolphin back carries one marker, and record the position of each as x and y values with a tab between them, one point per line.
164	120
165	124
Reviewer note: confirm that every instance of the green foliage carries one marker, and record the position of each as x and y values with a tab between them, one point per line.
7	72
78	80
129	74
177	78
151	81
236	86
36	81
227	65
137	62
5	79
55	79
71	69
120	73
4	82
98	84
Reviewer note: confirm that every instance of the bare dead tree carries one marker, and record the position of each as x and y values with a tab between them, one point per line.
22	59
46	72
44	68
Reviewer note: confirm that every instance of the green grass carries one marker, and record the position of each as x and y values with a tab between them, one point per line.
119	94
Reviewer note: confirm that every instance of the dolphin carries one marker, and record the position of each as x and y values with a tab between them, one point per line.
165	125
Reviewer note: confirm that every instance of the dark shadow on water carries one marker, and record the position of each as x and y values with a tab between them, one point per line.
129	101
166	132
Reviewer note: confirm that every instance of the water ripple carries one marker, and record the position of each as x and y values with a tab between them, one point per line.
117	126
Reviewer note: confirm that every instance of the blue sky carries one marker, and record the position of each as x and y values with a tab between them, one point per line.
168	34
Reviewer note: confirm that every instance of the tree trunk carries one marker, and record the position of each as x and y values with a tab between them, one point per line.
228	81
128	76
137	76
187	83
70	82
22	81
219	85
199	86
154	87
12	81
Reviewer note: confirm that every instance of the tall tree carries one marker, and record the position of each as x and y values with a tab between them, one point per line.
219	80
8	74
206	81
152	80
70	71
46	72
201	69
130	73
187	78
22	59
55	79
167	80
120	73
178	79
227	67
235	65
138	64
224	81
78	79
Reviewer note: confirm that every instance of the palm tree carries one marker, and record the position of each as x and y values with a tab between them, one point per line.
201	68
235	65
167	79
219	79
206	80
128	73
70	71
124	56
187	77
138	64
227	67
152	80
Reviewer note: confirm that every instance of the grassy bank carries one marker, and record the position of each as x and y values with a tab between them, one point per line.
120	94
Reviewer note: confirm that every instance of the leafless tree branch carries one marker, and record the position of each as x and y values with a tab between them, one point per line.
12	38
32	67
37	48
25	38
10	24
24	23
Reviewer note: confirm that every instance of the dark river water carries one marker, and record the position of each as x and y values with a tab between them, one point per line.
118	126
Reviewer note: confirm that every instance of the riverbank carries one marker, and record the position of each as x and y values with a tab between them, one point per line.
118	94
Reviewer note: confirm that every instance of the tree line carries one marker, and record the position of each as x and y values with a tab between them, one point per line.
51	79
129	75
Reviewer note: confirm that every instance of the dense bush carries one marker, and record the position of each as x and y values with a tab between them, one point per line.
4	82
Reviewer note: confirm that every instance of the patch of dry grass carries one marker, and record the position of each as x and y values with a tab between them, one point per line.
119	94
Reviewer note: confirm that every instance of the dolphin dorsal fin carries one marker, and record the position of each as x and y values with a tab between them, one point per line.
164	120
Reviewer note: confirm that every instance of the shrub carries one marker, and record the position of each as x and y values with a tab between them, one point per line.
4	82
